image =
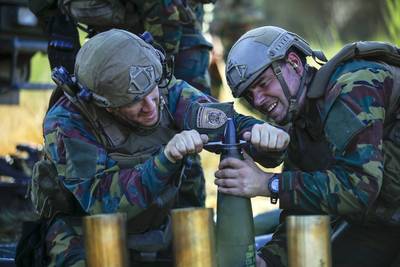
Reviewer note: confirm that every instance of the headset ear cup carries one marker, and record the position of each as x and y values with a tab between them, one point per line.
167	63
168	70
160	53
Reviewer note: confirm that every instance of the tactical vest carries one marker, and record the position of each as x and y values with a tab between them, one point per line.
314	130
128	148
124	145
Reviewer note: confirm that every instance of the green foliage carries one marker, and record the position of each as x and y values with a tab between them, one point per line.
40	69
392	20
317	20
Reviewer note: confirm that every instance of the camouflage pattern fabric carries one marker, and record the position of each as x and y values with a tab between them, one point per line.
173	28
191	65
176	28
179	31
106	188
65	244
355	179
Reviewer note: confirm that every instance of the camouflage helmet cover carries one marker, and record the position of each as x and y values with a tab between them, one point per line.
255	51
118	68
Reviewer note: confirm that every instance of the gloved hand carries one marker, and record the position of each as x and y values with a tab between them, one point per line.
184	143
266	137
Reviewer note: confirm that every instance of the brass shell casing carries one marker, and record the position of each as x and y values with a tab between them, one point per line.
193	237
105	240
308	240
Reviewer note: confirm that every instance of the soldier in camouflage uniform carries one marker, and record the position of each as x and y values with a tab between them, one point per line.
176	26
344	153
123	144
184	39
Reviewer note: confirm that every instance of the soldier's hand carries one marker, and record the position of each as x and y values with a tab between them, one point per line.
242	178
184	143
266	137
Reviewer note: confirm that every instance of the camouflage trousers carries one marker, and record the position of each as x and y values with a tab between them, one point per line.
64	244
191	65
357	246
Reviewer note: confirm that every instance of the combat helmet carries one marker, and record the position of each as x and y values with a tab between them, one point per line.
259	49
118	68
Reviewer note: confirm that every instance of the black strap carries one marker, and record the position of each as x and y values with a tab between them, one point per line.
31	246
278	73
370	50
292	100
90	118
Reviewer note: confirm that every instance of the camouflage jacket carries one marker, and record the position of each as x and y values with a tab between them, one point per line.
174	26
109	188
344	151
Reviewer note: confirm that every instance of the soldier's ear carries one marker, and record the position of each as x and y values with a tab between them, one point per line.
294	60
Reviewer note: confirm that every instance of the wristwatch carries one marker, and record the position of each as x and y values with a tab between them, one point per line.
273	187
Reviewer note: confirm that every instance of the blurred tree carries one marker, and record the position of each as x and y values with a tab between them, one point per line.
326	20
232	18
358	19
392	20
309	18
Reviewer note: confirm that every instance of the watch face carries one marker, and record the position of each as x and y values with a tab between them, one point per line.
275	185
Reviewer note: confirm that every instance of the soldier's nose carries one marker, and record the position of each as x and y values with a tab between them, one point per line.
148	104
258	101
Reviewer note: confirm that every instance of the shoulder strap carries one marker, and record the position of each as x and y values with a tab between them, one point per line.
90	116
68	86
379	51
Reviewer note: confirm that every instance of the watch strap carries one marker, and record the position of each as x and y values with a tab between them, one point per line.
274	193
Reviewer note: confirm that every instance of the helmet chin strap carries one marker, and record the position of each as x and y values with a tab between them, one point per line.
293	101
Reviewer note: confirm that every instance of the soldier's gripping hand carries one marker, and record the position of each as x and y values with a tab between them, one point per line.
266	137
242	178
184	143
